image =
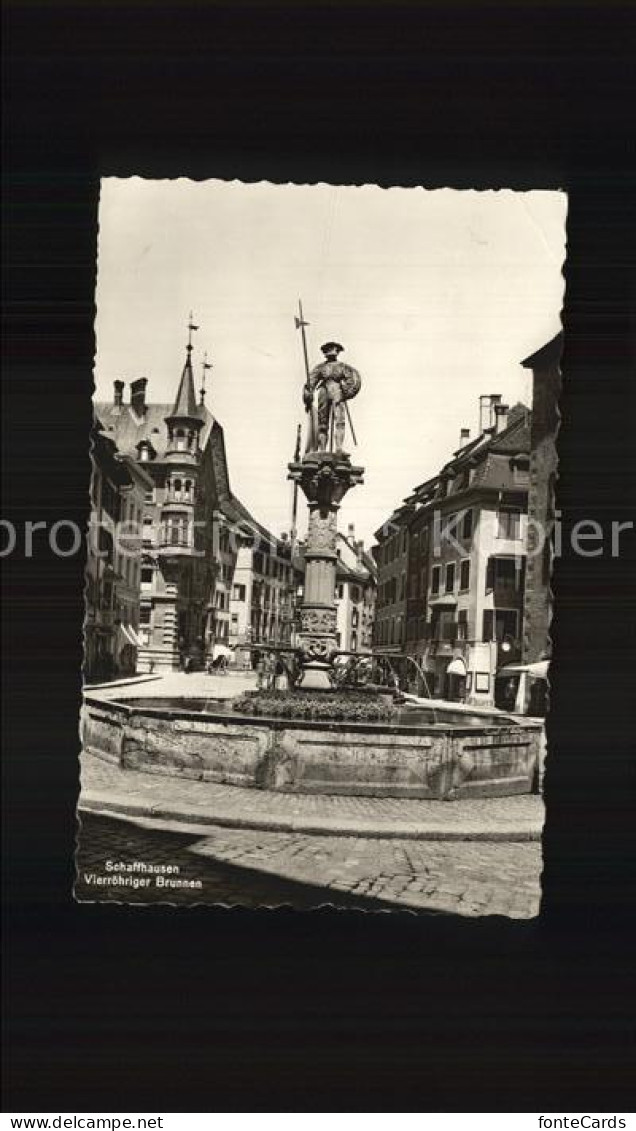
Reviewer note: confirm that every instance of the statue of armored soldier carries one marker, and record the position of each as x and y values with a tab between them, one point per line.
329	386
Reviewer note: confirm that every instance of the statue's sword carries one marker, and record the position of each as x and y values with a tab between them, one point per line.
350	423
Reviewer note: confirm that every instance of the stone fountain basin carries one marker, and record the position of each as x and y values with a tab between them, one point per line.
462	754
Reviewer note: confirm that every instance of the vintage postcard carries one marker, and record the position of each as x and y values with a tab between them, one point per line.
317	632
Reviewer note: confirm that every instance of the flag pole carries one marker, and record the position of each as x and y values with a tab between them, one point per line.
294	523
300	321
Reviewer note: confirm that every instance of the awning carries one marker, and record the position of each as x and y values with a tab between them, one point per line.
221	650
456	667
129	633
448	601
538	670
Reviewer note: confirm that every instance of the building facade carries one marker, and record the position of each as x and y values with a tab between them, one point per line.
112	589
452	564
262	589
391	558
180	448
355	594
546	387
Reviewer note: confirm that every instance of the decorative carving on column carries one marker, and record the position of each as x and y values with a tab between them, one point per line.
324	478
318	621
321	534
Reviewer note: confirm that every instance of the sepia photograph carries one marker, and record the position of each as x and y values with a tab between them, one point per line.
317	595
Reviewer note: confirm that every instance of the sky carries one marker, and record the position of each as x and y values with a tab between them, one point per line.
437	297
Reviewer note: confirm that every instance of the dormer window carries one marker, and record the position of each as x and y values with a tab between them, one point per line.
180	440
146	451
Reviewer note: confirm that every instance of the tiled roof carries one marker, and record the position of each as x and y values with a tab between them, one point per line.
237	512
123	426
548	354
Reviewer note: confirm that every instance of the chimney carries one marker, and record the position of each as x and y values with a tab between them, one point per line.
501	417
495	399
464	437
118	396
138	396
487	404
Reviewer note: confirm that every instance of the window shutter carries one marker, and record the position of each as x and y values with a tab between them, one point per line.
488	625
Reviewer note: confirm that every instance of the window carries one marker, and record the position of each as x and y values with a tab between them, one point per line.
500	623
464	574
462	624
144	614
354	642
146	575
435	577
238	592
482	681
504	573
521	472
449	583
180	440
149	496
354	618
176	489
177	532
509	525
505	624
467	525
355	593
339	592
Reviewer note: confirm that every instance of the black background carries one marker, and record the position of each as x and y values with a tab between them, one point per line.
158	1009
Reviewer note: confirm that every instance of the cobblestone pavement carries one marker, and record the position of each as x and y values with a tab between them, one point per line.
103	839
467	878
254	868
516	818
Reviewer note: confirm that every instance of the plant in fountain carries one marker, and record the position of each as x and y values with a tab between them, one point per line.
349	707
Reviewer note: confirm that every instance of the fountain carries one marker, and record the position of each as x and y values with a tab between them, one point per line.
318	737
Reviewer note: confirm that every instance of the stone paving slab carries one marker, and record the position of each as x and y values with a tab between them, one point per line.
106	788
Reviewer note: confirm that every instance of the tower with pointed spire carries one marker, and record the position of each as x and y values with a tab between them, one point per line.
182	450
178	542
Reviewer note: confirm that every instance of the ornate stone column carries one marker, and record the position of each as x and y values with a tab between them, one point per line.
325	478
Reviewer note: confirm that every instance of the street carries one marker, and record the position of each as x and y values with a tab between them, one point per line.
255	868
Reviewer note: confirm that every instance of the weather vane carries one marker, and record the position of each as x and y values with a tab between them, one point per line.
205	366
191	327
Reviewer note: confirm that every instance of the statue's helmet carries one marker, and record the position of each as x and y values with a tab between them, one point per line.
331	347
